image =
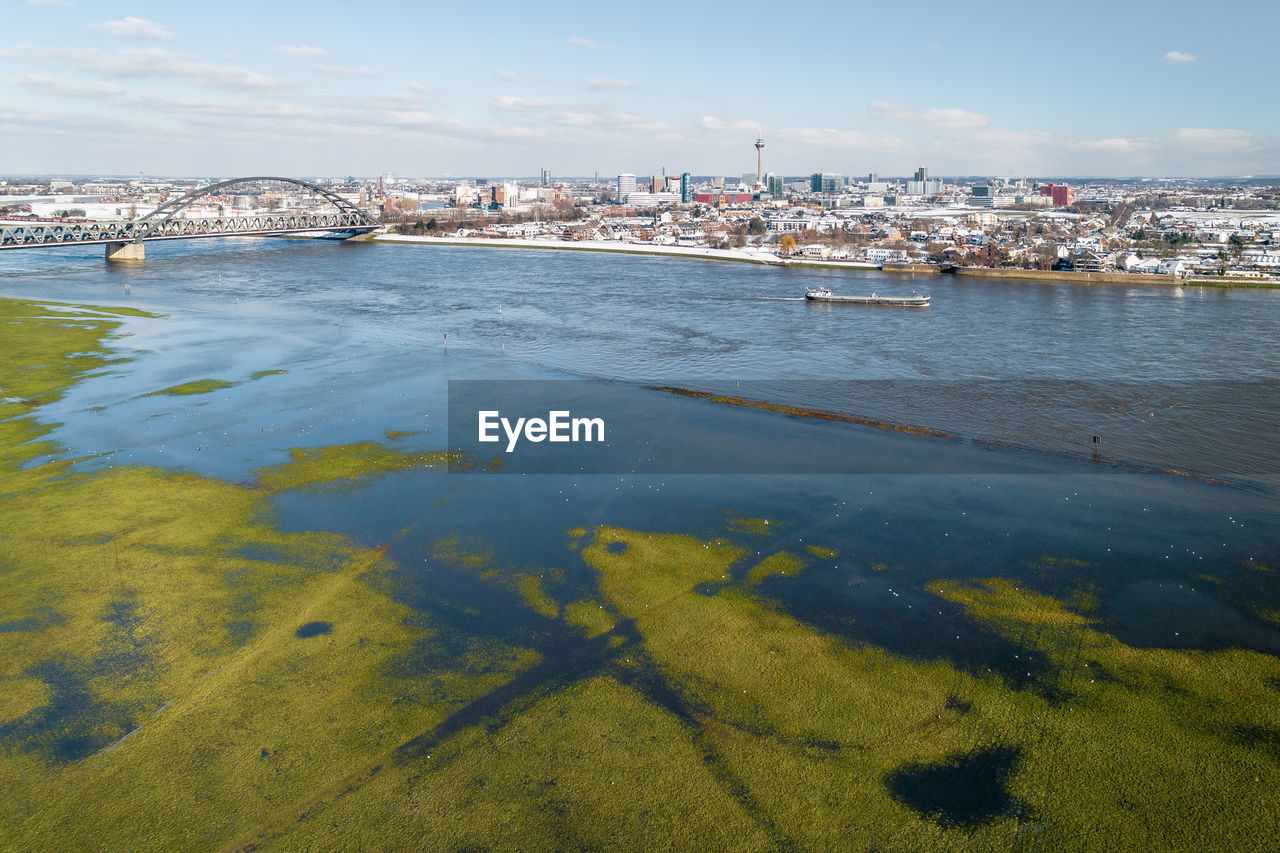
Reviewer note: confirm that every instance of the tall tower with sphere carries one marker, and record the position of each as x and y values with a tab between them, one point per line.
759	158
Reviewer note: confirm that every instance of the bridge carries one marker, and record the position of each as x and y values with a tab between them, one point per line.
124	239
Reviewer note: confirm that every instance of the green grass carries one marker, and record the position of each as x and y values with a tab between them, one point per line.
198	386
758	526
311	467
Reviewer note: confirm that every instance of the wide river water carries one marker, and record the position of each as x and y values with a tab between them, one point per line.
369	335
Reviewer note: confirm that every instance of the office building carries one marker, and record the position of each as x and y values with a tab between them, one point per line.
827	182
626	185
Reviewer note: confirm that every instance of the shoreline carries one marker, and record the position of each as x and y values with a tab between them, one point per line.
770	259
617	247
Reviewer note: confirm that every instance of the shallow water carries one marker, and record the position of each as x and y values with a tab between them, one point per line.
360	332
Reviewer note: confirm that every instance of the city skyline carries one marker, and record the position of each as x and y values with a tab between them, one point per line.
129	87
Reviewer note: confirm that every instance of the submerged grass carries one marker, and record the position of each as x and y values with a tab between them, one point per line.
188	389
144	645
178	673
311	467
800	411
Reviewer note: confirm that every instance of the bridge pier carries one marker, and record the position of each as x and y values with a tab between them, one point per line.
126	252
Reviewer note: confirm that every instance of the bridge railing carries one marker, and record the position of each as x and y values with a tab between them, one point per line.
53	234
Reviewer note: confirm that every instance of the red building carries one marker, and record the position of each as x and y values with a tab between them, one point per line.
1061	195
729	198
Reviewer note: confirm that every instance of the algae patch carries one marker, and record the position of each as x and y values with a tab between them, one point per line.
311	467
188	389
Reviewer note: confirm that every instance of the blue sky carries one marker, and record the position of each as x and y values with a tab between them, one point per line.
494	89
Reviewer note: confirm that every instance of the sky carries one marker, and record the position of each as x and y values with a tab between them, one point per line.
499	89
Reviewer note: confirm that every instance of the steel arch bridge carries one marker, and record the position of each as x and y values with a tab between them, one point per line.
124	239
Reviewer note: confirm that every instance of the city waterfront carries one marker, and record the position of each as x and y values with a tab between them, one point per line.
297	620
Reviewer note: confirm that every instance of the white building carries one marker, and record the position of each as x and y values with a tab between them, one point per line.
879	256
626	185
641	199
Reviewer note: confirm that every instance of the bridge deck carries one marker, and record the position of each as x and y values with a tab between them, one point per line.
47	234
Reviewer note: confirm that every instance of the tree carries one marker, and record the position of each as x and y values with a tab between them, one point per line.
1237	246
787	245
756	225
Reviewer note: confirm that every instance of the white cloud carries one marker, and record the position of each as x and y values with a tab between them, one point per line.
135	28
714	123
514	104
155	62
50	85
1217	140
601	83
508	74
832	137
345	70
602	117
1177	56
1118	145
938	118
59	3
585	43
296	50
414	86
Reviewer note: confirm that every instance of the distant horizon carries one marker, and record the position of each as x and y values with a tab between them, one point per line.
856	176
122	87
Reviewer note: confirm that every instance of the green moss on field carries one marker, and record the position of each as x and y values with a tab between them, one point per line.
592	617
46	348
530	587
781	563
310	467
157	691
758	526
836	744
593	766
198	386
21	695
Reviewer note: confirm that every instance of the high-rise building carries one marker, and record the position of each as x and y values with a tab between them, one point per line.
759	158
827	182
922	174
546	177
1060	194
658	183
626	185
924	186
686	188
873	178
775	185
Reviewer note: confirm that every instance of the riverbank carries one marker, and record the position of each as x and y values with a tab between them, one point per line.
751	256
1134	279
756	256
